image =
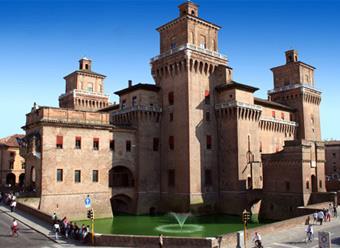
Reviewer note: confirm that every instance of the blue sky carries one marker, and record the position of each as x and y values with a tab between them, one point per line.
42	41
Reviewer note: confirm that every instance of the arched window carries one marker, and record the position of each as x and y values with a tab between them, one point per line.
121	176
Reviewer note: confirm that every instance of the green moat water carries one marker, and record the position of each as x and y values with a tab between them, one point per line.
195	226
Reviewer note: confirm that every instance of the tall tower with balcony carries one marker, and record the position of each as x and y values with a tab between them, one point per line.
84	89
294	87
187	69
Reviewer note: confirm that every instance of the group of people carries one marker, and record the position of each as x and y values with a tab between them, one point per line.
319	217
69	229
325	214
9	199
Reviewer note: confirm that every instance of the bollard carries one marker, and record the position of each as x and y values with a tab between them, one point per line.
324	239
240	239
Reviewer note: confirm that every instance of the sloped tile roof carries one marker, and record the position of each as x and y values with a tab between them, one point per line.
11	140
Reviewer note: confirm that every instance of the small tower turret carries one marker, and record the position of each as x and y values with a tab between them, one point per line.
188	8
85	64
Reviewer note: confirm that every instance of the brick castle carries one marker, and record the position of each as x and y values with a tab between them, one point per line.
196	140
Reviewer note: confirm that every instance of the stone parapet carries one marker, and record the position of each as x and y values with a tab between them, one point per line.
59	115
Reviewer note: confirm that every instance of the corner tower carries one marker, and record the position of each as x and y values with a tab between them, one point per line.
294	86
84	89
187	70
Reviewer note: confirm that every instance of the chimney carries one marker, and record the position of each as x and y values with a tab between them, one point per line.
130	83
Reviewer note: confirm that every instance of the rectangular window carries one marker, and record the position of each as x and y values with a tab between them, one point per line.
207	97
96	144
112	145
260	150
171	178
273	114
208	178
171	117
59	142
320	183
78	143
209	142
11	164
77	176
207	116
123	104
90	87
171	98
307	184
155	144
282	116
23	165
287	186
95	176
134	101
59	175
128	146
171	142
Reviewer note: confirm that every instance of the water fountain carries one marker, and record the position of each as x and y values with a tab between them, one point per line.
181	219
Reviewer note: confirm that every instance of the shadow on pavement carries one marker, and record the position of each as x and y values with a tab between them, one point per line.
3	235
336	241
295	242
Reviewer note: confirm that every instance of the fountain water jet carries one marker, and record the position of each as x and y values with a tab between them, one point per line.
180	217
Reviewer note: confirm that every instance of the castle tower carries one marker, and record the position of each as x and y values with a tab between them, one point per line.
294	86
187	69
84	89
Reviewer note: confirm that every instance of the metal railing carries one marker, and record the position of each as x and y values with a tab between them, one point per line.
189	47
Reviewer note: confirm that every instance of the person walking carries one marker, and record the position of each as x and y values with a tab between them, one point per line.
54	218
257	239
161	241
315	217
335	213
321	216
14	228
13	205
56	227
309	233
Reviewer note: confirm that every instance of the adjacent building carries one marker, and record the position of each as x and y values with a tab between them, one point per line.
332	164
12	165
196	140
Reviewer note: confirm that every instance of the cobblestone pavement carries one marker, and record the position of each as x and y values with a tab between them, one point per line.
296	237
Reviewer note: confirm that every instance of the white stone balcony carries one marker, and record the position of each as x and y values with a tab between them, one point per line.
293	86
137	108
279	121
76	92
192	48
237	104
